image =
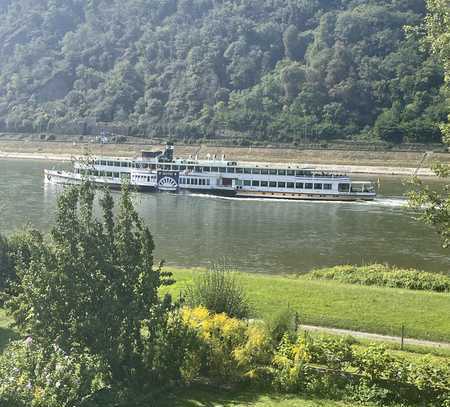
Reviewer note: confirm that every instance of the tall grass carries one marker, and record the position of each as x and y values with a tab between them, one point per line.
219	289
384	276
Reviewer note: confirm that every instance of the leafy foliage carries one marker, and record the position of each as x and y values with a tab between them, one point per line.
232	351
263	69
92	286
33	376
220	291
434	206
384	276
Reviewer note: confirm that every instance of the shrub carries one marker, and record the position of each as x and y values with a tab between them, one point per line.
290	363
384	276
33	376
283	322
103	293
219	290
220	335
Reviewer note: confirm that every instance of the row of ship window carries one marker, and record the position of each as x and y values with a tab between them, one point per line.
228	170
194	181
290	185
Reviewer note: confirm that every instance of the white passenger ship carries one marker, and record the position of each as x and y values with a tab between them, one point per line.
159	171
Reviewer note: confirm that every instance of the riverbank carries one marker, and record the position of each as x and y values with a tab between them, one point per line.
351	162
425	315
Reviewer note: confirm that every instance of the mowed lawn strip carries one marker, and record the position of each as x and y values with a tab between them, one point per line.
426	315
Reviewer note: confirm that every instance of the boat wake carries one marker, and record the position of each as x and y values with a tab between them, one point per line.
391	202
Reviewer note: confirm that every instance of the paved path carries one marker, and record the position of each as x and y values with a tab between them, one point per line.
376	337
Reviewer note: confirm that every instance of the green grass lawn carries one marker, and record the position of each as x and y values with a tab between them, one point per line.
426	315
204	396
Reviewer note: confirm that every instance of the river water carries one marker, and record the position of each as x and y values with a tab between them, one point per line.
252	235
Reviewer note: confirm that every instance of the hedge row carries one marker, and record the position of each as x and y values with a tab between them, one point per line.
384	276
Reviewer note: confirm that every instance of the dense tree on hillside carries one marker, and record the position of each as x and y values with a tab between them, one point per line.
268	70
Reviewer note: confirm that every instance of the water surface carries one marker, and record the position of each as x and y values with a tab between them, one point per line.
253	235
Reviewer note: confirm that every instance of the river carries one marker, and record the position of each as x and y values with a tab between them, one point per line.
251	235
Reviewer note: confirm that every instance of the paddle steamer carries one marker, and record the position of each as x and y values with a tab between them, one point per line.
160	171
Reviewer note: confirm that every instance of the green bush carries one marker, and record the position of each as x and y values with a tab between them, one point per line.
219	290
33	376
384	276
284	322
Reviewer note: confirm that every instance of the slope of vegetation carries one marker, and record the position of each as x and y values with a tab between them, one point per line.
271	70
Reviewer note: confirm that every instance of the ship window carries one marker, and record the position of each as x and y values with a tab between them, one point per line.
281	172
290	185
272	184
299	185
214	169
273	172
256	171
255	183
264	183
195	181
188	181
175	167
317	186
239	170
116	175
299	173
109	163
191	167
181	180
148	179
206	169
124	164
308	185
153	166
327	186
247	170
247	182
230	170
199	169
222	169
109	174
264	172
281	185
290	172
344	187
207	182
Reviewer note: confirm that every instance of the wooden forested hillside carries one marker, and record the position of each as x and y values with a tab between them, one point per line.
278	70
